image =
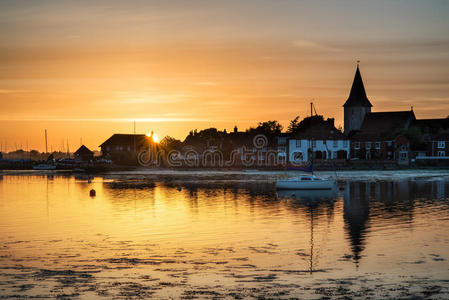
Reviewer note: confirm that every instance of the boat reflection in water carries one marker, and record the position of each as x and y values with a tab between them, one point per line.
313	202
311	196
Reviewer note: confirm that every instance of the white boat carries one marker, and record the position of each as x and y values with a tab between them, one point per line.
305	182
44	167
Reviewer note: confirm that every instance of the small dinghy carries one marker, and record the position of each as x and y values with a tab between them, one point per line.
44	167
305	182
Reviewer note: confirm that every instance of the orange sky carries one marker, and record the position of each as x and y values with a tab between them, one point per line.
86	71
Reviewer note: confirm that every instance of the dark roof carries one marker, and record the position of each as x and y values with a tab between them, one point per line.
320	130
83	150
357	96
432	125
383	124
125	139
444	136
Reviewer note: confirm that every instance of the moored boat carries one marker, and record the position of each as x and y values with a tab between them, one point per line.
305	182
44	167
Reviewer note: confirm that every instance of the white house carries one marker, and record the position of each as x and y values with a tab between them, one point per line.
300	149
320	138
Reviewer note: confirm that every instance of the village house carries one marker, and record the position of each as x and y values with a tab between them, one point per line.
380	137
321	139
123	148
84	154
435	135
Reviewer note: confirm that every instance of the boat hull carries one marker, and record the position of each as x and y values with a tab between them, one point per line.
44	167
308	185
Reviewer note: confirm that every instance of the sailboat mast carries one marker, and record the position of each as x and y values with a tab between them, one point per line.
311	115
46	146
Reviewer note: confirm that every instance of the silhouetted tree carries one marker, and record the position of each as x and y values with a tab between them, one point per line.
268	128
169	143
293	125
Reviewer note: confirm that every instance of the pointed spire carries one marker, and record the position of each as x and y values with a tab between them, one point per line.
357	96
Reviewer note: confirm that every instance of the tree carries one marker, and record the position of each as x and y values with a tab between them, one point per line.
293	126
268	128
169	143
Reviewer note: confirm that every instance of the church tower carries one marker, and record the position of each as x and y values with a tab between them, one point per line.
357	105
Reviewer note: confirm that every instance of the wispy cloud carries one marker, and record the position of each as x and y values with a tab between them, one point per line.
310	45
119	120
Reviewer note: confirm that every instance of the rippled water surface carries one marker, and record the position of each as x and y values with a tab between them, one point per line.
187	236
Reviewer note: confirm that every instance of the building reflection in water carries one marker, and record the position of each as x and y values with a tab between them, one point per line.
356	216
383	204
366	205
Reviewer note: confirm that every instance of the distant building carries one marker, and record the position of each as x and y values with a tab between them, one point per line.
123	148
84	154
356	106
321	139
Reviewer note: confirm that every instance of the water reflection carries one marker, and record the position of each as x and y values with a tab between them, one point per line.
231	231
356	216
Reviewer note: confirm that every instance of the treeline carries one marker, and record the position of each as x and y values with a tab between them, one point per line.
270	129
35	155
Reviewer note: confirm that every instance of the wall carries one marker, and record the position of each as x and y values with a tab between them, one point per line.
353	117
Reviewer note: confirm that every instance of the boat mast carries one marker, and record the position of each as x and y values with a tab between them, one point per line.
46	146
311	115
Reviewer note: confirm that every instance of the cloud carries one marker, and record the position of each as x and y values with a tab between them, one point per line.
309	45
150	120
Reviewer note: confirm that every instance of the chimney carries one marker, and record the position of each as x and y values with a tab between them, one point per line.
331	121
235	129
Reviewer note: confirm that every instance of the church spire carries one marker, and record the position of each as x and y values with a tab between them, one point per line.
357	96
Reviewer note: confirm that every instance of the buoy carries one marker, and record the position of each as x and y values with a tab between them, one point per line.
92	193
179	188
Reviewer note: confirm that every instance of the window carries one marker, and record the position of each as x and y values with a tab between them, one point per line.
107	148
389	143
129	148
441	144
117	148
306	178
377	145
282	140
368	145
403	155
297	156
335	143
441	153
345	143
298	143
357	145
313	144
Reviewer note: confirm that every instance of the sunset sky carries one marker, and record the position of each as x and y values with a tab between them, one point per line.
86	71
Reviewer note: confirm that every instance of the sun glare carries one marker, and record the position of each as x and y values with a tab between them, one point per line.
153	136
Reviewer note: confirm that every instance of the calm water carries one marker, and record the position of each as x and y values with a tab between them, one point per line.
235	237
